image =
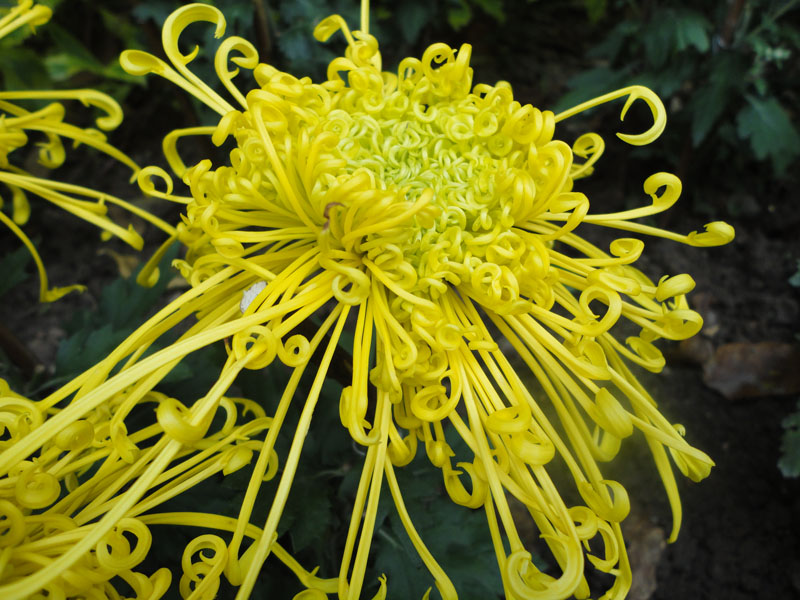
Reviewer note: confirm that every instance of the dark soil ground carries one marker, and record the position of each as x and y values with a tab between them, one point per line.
740	532
741	526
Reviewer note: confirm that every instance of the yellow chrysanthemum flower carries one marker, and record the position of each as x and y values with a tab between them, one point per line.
433	219
18	123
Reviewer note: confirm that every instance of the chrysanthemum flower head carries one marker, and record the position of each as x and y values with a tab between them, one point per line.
438	220
18	124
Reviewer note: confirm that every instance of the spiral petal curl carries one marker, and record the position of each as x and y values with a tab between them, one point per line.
438	219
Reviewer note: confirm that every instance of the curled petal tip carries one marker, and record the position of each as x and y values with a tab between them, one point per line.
328	26
632	93
717	233
656	108
139	63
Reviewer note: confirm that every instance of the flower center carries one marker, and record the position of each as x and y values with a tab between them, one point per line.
415	179
444	185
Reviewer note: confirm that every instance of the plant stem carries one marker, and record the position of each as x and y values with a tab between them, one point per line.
261	26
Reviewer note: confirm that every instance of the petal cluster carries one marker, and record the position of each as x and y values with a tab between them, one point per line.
437	222
19	124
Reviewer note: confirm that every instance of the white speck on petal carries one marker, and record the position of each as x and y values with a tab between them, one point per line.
250	294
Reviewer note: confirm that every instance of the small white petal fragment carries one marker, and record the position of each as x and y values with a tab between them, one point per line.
250	294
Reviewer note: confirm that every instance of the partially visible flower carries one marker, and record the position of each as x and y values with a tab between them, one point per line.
17	123
433	217
52	501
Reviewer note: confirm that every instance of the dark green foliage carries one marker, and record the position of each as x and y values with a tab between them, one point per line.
70	57
281	30
789	462
771	134
13	269
63	53
314	522
122	307
710	100
715	64
21	67
794	280
457	537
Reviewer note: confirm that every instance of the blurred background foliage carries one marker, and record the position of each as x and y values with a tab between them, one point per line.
727	71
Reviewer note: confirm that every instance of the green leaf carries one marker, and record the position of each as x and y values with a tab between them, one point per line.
789	462
22	69
73	55
122	27
761	86
758	44
295	44
123	304
619	36
590	84
493	8
156	12
670	31
314	521
595	9
460	16
794	280
707	104
12	266
665	82
658	37
771	134
396	557
790	34
726	77
691	29
296	11
458	538
194	375
414	17
85	348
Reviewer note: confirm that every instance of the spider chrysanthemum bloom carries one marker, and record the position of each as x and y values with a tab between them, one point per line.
433	217
19	123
